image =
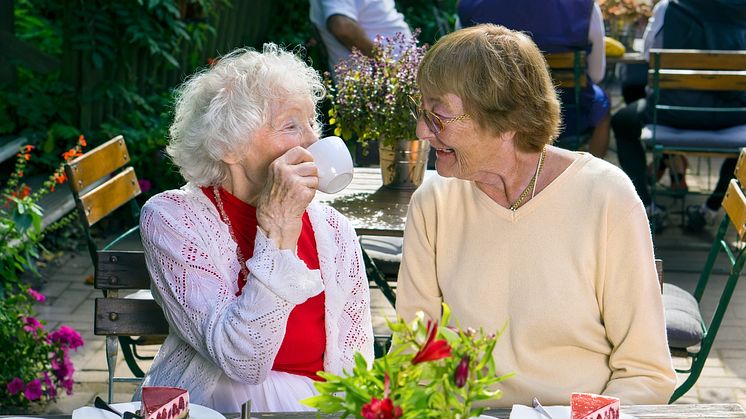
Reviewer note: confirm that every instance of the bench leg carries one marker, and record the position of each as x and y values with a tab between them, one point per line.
112	349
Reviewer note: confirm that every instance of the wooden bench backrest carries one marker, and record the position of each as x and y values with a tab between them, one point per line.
95	168
734	201
562	67
122	270
129	317
698	69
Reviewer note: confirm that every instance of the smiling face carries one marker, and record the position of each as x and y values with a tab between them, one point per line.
463	149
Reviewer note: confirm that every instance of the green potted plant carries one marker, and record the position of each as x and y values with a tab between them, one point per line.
622	17
430	372
370	100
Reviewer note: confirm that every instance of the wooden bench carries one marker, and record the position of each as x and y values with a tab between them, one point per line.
568	71
101	181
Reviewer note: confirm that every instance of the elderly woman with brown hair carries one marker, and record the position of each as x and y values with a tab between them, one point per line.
514	231
261	286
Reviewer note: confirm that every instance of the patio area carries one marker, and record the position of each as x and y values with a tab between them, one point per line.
70	301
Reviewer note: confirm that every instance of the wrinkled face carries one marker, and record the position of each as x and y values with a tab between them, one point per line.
292	123
461	147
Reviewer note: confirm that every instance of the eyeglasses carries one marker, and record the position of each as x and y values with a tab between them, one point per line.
434	123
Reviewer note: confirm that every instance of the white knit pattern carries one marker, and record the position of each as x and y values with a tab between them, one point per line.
192	261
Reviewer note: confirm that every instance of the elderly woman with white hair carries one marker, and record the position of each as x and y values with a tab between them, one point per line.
261	286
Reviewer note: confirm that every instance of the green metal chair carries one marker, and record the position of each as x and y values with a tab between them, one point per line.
688	334
717	72
569	72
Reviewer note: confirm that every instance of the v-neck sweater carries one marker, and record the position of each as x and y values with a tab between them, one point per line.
571	273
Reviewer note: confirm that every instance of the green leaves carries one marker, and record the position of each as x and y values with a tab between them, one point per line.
427	389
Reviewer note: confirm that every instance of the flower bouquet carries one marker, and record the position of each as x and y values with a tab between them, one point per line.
371	96
621	16
430	372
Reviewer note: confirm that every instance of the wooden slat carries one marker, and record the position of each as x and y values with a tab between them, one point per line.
97	163
566	79
118	269
700	59
109	196
740	172
701	80
9	148
564	60
734	203
128	317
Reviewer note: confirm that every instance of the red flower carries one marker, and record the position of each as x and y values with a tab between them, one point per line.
81	141
28	148
380	409
462	372
433	349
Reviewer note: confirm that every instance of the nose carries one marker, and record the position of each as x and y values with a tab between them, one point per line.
308	138
422	131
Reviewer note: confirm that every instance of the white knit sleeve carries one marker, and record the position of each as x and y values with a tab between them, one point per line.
185	253
355	326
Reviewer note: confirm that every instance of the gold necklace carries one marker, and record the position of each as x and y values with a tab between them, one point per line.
531	184
224	216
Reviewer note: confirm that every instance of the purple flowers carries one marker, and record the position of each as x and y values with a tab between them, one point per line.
40	362
67	337
462	372
371	94
15	386
37	296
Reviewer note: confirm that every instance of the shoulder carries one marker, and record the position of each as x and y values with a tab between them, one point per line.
439	191
601	178
188	202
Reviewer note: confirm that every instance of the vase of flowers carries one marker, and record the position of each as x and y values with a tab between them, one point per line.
430	372
370	101
623	17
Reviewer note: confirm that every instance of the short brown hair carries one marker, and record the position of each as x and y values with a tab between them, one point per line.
502	79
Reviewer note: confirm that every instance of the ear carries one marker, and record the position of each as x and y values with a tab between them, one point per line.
230	159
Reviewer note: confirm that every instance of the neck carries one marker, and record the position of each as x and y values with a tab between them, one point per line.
509	177
241	187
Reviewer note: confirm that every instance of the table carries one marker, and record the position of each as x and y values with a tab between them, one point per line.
673	411
634	57
372	209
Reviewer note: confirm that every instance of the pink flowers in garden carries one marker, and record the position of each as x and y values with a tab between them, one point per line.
45	367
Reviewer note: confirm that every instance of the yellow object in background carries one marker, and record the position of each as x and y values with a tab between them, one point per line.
613	47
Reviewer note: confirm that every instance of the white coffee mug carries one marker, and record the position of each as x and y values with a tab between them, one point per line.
333	162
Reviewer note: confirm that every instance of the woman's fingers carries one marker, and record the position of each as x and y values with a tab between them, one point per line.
291	185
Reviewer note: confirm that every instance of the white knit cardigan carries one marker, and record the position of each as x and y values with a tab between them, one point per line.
214	334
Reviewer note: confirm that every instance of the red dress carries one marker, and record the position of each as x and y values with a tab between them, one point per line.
302	349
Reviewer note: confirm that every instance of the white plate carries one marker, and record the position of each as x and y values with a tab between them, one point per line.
557	412
195	411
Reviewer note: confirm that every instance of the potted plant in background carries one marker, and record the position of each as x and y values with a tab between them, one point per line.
370	101
623	18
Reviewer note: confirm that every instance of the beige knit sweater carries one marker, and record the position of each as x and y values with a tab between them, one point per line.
571	272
